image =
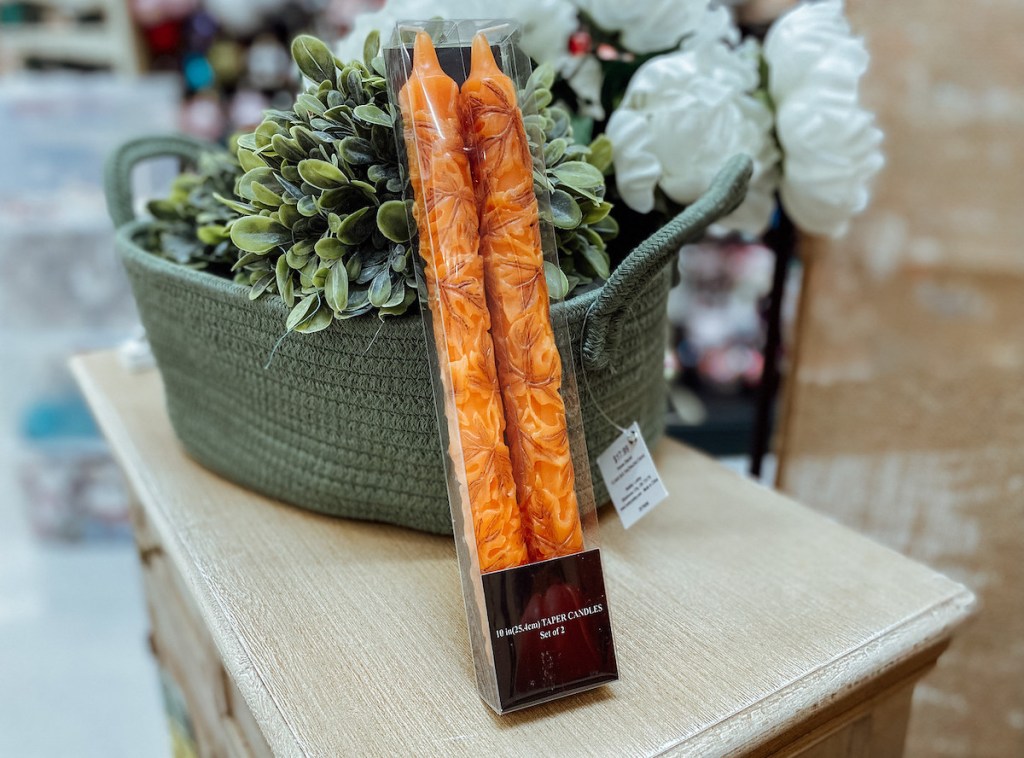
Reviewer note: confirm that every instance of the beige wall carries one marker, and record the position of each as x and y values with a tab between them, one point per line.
905	413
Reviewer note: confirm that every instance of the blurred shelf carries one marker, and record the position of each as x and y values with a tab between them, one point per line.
109	43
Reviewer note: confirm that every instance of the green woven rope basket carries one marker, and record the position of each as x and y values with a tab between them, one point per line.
342	421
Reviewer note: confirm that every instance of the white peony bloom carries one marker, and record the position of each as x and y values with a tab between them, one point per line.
384	19
637	168
831	144
585	75
683	115
649	26
546	24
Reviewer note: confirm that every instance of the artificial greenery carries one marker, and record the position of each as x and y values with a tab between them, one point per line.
190	225
320	216
575	182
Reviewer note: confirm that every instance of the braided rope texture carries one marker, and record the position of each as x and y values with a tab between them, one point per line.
343	421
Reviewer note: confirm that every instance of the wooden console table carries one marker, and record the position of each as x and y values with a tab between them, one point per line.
745	624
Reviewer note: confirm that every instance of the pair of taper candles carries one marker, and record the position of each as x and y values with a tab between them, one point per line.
484	271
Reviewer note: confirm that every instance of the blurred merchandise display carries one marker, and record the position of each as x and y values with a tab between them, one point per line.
86	34
73	488
232	55
63	289
716	353
715	309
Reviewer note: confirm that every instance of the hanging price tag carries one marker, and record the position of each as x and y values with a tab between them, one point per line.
629	473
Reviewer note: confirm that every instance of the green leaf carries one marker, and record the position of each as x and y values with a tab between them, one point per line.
265	196
371	114
380	288
336	288
371	47
285	286
607	227
307	206
329	248
212	234
354	266
314	58
261	285
354	82
319	321
541	99
238	207
565	212
259	234
263	175
399	258
298	255
408	298
368	190
288	215
320	277
357	151
579	175
356	227
397	296
305	139
554	150
311	104
558	285
247	141
344	199
302	311
248	160
322	174
597	257
245	260
543	77
596	212
287	148
394	219
601	153
265	132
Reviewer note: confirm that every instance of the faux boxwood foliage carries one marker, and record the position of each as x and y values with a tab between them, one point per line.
191	224
319	217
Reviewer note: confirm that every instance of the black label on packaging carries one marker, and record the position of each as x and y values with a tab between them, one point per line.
550	629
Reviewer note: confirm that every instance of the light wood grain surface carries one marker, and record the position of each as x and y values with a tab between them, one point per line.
742	619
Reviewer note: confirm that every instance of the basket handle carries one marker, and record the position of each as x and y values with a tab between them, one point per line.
604	321
117	178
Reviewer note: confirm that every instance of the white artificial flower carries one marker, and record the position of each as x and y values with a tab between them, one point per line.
831	144
637	168
383	20
683	115
546	24
715	25
585	75
647	27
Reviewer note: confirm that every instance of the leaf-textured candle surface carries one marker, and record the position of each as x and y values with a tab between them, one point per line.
446	215
528	364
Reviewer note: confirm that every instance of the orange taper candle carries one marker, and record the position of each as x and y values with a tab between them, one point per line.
445	213
529	366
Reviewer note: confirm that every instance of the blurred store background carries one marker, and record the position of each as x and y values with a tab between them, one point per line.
76	677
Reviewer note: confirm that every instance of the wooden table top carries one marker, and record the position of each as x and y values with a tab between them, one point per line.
741	618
